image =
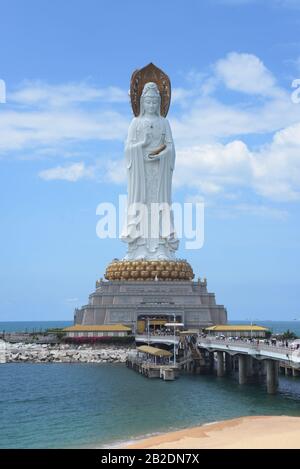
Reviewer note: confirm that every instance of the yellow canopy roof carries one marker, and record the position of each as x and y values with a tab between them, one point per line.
236	327
100	328
158	352
157	322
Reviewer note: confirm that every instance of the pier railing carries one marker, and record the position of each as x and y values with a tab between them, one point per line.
257	348
155	338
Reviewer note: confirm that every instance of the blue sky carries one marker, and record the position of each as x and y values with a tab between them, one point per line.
67	66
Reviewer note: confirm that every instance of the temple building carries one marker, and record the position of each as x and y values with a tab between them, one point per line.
238	330
133	302
97	331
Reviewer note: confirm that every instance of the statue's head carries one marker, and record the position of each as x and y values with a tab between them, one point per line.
150	99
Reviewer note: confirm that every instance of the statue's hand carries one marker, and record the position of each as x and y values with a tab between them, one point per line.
147	141
152	158
158	150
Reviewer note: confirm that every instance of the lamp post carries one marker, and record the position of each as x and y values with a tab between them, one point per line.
251	324
135	319
174	324
148	331
133	329
174	341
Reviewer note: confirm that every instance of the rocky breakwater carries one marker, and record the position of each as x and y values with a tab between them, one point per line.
65	353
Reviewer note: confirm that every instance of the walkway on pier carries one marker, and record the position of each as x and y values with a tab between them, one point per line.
257	349
152	362
251	355
157	339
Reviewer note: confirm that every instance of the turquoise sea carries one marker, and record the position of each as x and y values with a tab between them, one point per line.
36	326
91	405
88	405
275	326
32	326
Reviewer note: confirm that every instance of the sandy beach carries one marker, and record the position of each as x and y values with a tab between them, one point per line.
263	432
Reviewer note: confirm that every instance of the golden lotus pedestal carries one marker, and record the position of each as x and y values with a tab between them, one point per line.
135	290
149	270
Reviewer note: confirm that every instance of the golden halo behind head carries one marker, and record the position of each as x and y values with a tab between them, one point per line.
138	80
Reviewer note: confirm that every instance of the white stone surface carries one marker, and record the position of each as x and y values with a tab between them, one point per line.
149	229
116	302
65	353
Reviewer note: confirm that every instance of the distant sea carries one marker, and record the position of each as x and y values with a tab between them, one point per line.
37	326
32	326
275	326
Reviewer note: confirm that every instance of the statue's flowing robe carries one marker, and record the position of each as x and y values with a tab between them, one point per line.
137	193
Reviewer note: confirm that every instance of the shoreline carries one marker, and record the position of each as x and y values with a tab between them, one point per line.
251	432
63	353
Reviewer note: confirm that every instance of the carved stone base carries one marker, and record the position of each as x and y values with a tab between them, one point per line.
125	301
149	270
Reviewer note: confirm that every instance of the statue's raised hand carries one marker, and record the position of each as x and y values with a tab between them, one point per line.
157	151
148	139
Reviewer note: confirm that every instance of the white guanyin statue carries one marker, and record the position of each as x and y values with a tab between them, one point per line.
150	158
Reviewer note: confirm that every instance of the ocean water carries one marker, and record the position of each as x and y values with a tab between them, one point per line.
32	326
92	405
88	405
36	326
275	326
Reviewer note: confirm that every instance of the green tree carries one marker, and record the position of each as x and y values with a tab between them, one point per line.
288	335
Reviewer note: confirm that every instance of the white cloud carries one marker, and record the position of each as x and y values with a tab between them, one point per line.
246	73
2	92
181	95
43	94
207	119
272	3
39	115
272	171
289	3
217	169
210	167
115	171
30	129
276	169
261	210
100	170
73	172
213	156
255	210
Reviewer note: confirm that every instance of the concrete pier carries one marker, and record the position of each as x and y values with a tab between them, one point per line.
243	369
288	371
256	368
250	366
151	370
272	376
253	361
211	361
228	363
220	364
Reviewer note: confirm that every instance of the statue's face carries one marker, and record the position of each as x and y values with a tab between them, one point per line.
151	104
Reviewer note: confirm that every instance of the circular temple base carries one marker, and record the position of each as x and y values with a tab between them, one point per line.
149	270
